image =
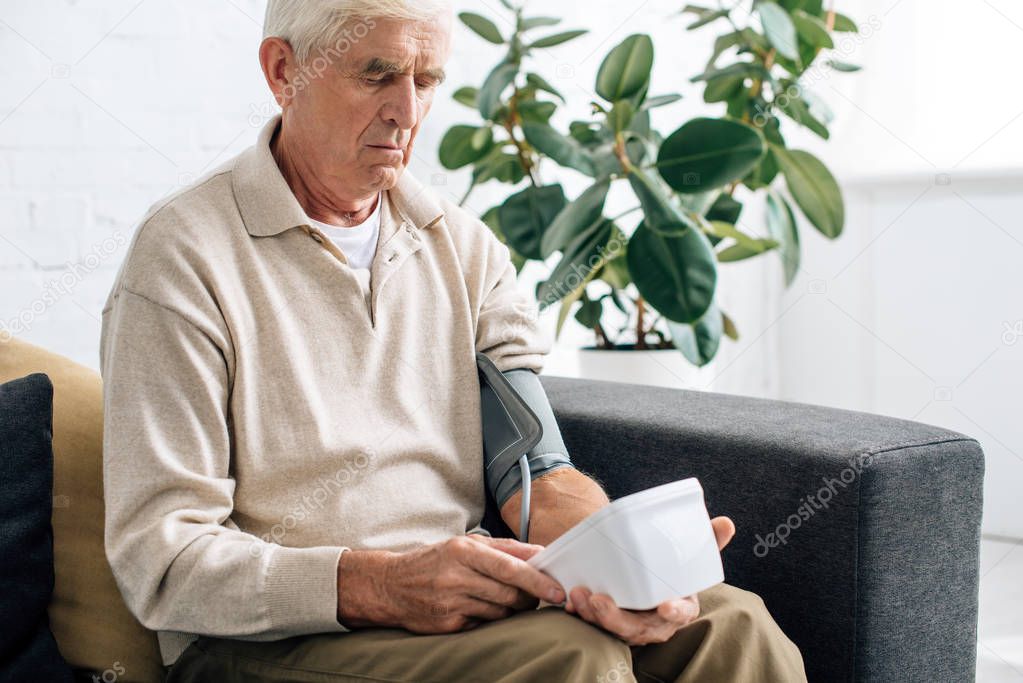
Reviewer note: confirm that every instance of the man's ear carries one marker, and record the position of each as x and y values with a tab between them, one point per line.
279	67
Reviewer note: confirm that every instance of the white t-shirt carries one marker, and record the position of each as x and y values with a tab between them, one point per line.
358	243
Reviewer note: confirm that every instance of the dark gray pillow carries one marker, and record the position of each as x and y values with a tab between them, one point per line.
28	651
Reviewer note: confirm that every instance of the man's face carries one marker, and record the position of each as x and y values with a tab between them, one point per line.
356	124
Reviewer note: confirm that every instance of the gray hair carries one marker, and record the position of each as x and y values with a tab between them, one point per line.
311	24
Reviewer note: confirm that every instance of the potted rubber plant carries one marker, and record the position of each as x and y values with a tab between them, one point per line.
645	279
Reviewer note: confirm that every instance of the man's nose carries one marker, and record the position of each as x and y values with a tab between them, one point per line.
402	106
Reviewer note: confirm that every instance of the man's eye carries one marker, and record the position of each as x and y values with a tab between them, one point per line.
374	81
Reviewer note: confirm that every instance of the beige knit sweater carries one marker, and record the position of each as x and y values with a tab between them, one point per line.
261	416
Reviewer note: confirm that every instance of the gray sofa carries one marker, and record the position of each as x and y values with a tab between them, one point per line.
879	585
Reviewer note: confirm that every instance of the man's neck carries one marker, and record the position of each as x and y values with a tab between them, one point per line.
316	198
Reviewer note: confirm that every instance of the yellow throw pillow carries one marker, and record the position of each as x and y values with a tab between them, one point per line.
88	617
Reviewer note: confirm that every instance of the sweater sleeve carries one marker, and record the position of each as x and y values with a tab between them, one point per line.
508	329
180	562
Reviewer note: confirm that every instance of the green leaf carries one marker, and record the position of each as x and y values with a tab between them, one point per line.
660	101
744	247
815	190
698	204
493	222
537	111
626	69
676	275
843	66
723	43
482	139
778	28
590	312
844	24
566	151
722	88
814	7
500	78
616	272
744	69
606	161
482	26
525	217
583	258
708	153
586	133
812	30
500	166
781	223
467	96
738	252
739	104
540	83
725	209
536	22
557	39
699	341
575	218
731	331
707	18
764	174
661	215
458	148
797	110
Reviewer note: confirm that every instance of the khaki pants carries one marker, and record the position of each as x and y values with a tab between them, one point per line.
735	640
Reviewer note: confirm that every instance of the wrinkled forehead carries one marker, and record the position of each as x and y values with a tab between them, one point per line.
402	46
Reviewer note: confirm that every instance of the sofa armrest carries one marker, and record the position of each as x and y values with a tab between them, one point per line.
860	532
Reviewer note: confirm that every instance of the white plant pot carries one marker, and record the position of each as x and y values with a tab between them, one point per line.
660	368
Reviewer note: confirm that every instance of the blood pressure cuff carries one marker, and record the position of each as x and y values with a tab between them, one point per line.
517	420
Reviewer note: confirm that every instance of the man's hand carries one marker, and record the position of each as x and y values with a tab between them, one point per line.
441	588
650	626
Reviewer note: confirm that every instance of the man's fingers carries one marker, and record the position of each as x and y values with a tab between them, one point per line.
596	612
523	551
580	599
635	628
680	611
629	626
487	589
487	611
514	572
724	529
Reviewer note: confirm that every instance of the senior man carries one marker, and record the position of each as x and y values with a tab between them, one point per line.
293	452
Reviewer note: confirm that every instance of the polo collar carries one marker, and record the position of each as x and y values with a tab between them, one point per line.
268	206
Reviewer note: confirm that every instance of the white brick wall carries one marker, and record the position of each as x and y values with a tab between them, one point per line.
105	108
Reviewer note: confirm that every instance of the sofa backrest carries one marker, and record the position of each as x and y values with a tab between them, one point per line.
88	617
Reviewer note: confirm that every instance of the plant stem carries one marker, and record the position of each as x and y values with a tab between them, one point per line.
640	332
509	125
465	197
758	84
626	213
602	341
623	157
